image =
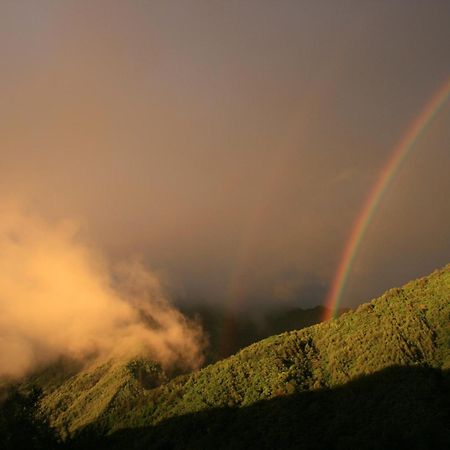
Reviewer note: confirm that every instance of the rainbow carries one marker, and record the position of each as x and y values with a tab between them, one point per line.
373	200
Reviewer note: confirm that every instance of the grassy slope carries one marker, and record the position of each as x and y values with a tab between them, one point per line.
409	326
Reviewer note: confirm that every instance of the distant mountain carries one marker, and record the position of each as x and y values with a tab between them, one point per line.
375	378
229	332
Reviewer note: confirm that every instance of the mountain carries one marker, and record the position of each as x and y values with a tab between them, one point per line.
230	332
377	377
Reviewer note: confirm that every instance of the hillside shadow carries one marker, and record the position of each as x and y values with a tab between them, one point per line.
399	407
21	426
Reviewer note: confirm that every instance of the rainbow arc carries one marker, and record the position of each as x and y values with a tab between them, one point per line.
376	194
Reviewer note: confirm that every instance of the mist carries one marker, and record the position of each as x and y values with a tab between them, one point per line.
229	147
60	298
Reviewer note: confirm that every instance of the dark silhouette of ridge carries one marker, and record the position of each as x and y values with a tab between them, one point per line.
21	426
398	407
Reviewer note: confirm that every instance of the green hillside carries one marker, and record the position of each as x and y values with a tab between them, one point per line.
377	377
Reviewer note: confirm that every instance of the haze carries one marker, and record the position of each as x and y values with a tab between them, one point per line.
230	145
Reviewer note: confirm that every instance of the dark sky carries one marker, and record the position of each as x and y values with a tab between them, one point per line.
231	144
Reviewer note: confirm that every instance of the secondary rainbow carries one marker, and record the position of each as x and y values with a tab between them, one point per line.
388	173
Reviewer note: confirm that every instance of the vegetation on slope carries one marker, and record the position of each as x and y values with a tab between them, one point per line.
396	347
407	326
398	407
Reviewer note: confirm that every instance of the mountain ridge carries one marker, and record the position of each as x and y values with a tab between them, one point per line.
406	328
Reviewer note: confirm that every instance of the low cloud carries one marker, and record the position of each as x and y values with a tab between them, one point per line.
58	297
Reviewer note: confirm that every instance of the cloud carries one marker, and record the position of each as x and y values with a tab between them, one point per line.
58	297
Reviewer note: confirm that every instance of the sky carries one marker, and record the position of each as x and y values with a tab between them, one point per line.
229	146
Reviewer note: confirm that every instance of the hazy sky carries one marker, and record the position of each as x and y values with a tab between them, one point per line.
231	144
